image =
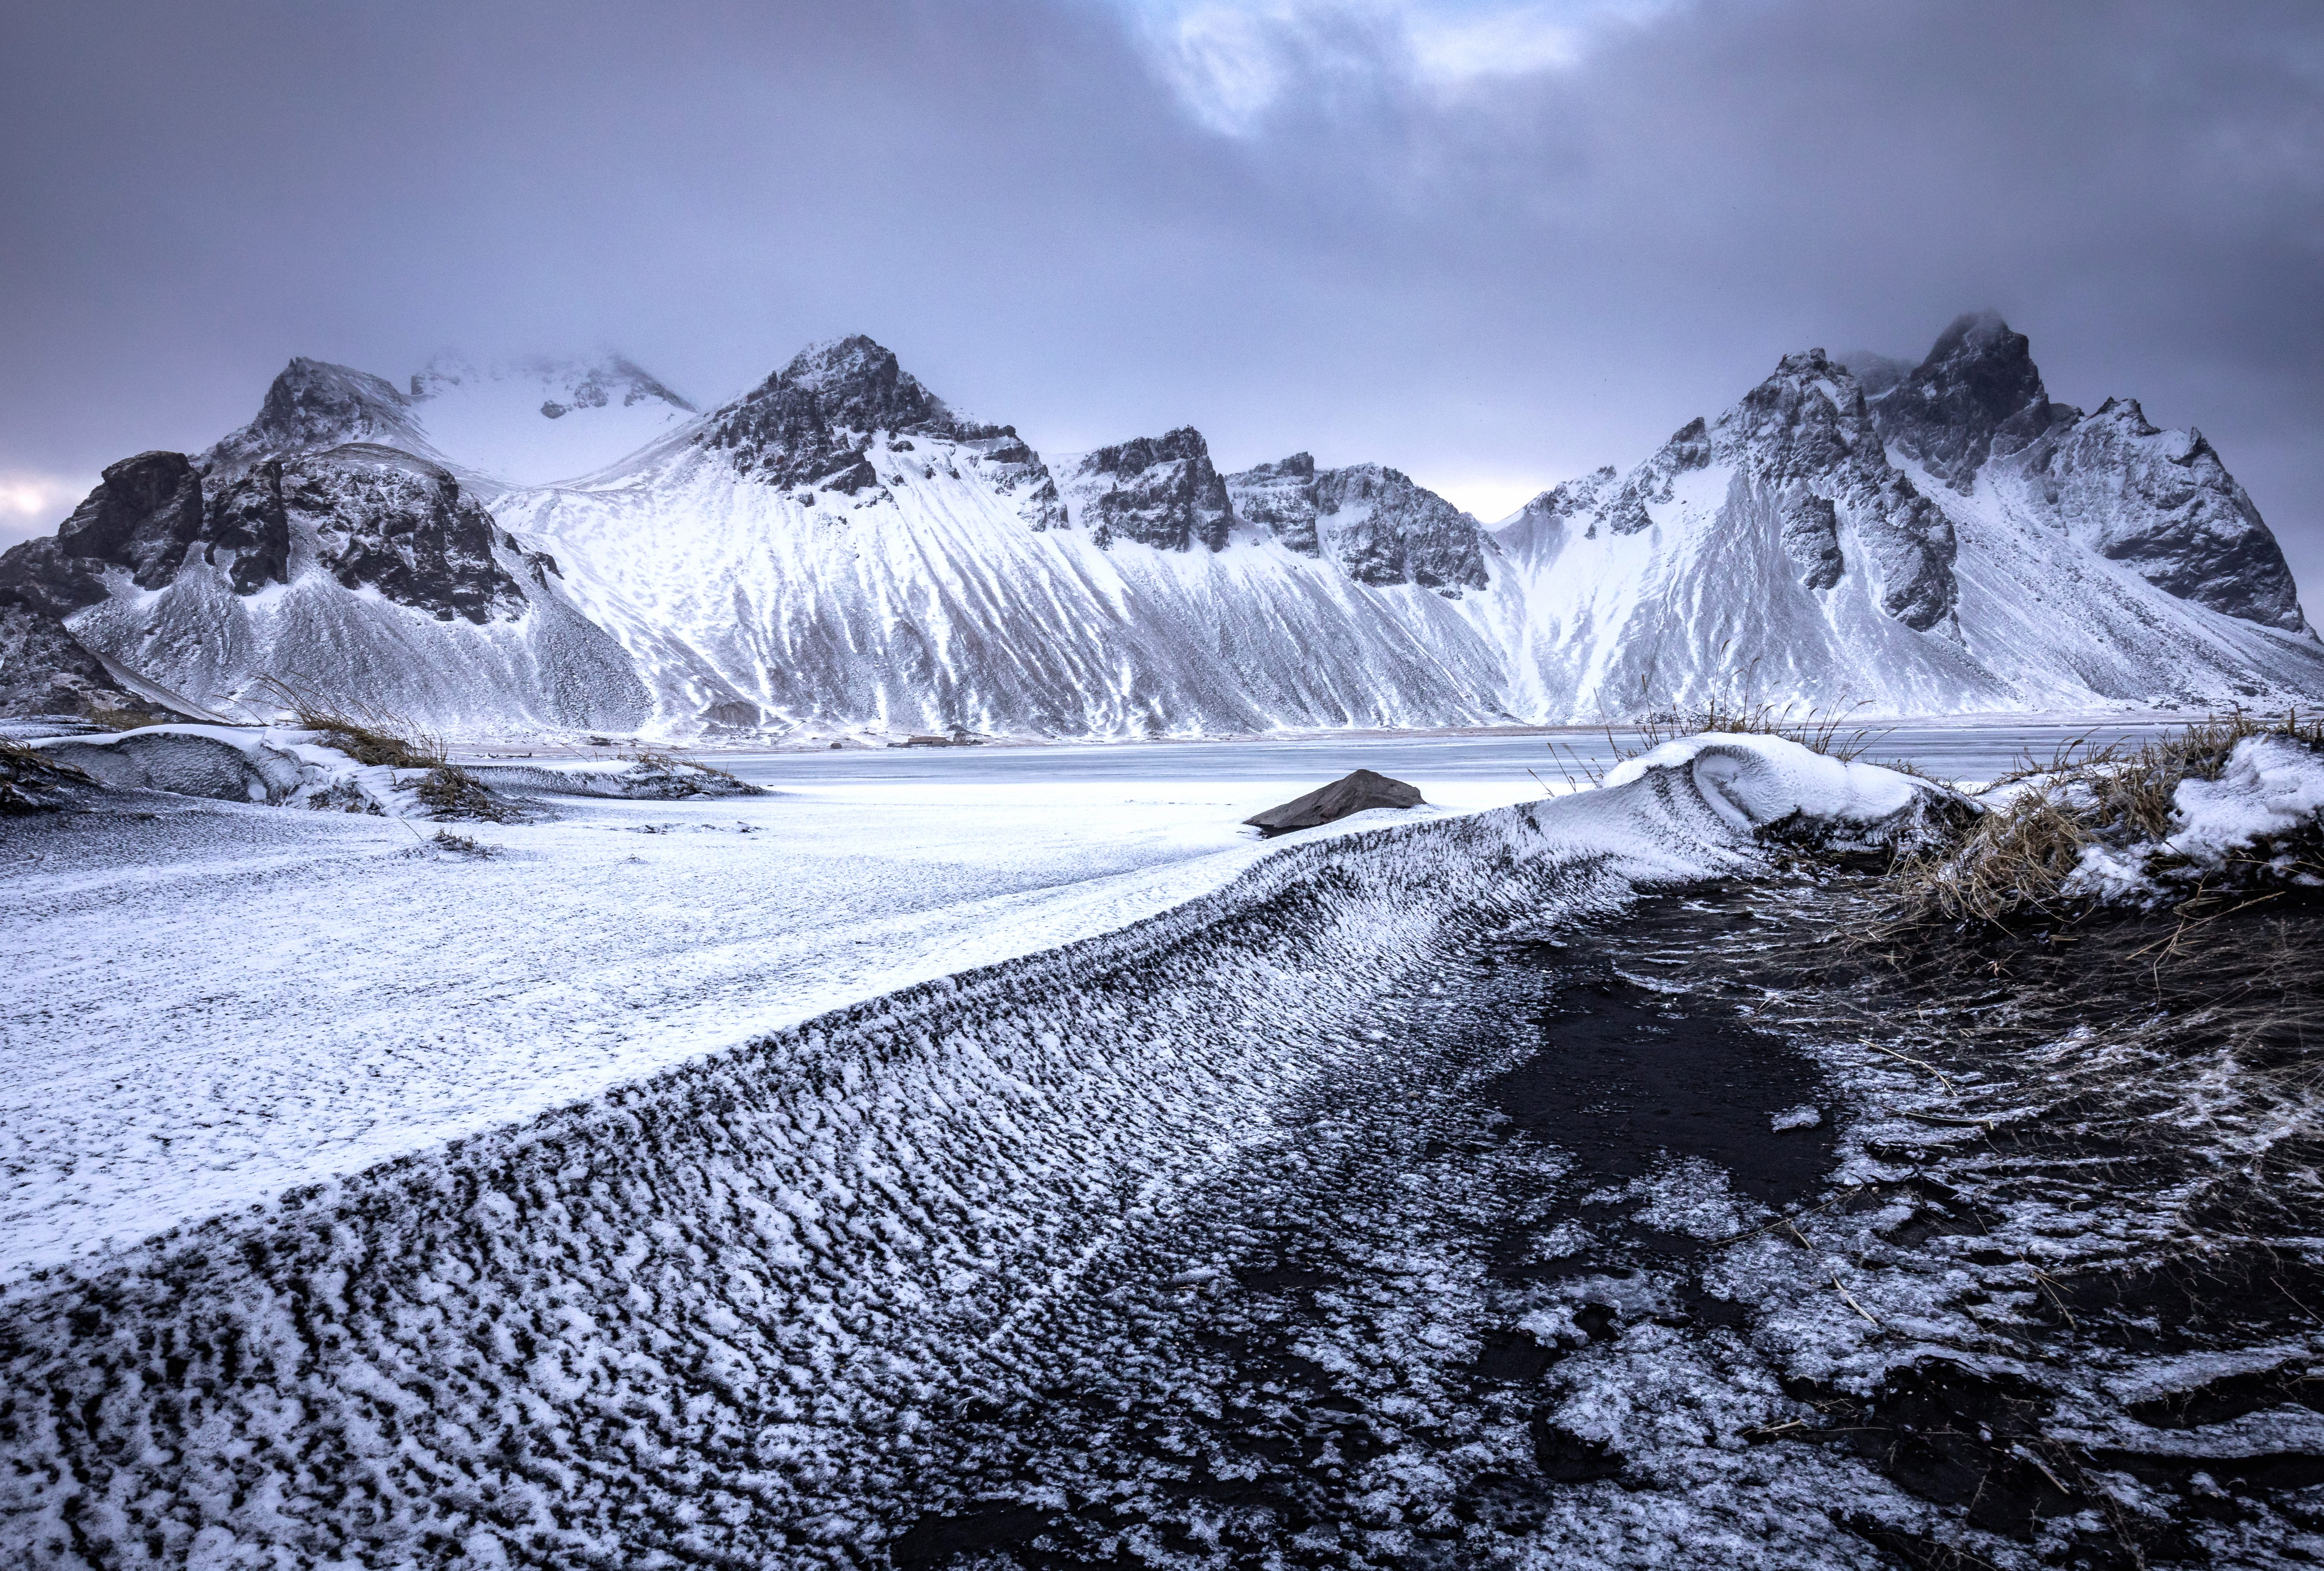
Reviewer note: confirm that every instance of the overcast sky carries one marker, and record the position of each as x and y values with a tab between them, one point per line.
1493	244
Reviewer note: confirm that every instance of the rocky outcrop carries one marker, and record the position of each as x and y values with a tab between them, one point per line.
812	426
1806	435
383	519
1811	537
1803	442
1279	498
1978	395
2162	503
246	518
1583	497
1382	528
1374	521
143	516
1158	491
1654	482
2159	501
377	519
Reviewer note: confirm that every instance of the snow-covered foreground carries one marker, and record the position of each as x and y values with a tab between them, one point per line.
223	1000
220	1002
707	1314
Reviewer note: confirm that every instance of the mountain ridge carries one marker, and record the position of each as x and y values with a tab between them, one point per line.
838	548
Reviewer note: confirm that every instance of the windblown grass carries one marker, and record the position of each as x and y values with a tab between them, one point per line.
448	791
1829	731
367	733
2015	862
31	782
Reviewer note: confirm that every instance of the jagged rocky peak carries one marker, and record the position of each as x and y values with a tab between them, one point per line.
1977	396
314	405
1385	528
1376	523
2161	502
846	417
1804	445
1159	491
1279	498
1566	499
2164	504
1806	437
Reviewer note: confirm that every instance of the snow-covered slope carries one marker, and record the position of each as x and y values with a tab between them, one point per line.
838	549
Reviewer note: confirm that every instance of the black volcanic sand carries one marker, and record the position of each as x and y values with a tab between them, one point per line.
1523	1079
1357	1289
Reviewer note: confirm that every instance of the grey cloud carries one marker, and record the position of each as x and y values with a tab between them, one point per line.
1512	277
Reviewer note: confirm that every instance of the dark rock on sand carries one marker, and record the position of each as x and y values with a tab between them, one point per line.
1350	794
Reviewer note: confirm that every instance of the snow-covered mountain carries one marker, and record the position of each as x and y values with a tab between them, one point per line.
325	545
1957	544
838	548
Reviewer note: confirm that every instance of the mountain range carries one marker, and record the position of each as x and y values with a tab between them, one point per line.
564	546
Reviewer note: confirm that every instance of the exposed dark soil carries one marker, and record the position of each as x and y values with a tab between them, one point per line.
1337	1355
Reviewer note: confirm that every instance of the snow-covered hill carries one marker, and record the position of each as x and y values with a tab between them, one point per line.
839	549
1958	543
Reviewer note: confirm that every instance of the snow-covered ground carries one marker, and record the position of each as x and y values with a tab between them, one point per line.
1087	1243
225	1001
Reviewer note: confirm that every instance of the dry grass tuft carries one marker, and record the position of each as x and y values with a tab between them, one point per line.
1828	731
451	791
367	733
2013	863
671	763
461	845
32	782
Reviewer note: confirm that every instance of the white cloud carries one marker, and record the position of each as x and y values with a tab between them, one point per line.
33	503
1230	61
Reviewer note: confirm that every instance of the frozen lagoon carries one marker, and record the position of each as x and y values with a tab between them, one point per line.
220	1002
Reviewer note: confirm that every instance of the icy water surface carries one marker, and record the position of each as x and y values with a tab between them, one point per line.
1965	749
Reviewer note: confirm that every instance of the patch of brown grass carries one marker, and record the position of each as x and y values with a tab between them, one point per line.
2012	864
367	733
451	791
119	719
